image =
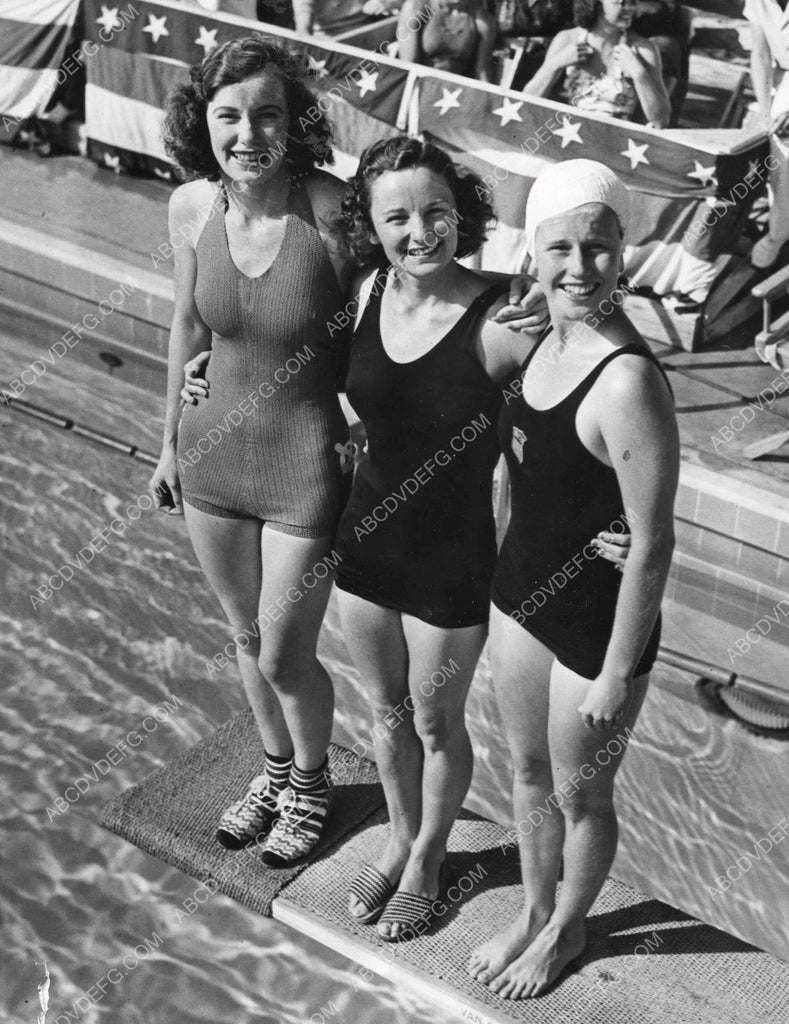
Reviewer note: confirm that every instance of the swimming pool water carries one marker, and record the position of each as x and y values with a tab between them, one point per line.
134	628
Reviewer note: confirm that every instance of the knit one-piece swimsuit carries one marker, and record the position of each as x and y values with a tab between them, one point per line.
418	534
548	576
270	441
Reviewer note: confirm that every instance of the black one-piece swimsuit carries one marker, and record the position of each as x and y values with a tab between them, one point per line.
548	577
418	533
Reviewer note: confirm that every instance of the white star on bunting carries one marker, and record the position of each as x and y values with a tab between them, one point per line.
367	82
207	38
508	111
109	18
156	26
706	175
318	66
113	162
569	132
448	100
635	154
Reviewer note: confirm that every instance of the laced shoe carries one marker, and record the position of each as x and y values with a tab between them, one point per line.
251	816
299	825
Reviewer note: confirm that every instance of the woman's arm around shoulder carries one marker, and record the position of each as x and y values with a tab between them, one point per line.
502	351
325	192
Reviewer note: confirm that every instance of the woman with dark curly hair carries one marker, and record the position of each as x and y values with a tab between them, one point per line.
601	65
417	539
262	465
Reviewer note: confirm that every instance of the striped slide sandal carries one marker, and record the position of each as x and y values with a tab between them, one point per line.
373	889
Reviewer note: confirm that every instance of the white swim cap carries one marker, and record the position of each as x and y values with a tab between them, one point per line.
569	184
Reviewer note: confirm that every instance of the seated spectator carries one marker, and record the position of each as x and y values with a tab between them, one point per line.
456	35
601	65
667	25
769	21
535	17
327	17
275	12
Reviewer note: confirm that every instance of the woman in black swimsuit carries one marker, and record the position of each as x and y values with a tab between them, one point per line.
590	437
417	539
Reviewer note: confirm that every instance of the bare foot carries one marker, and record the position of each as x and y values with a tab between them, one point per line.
493	956
421	877
391	864
541	963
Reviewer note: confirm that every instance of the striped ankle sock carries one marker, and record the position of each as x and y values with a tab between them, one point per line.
311	781
278	771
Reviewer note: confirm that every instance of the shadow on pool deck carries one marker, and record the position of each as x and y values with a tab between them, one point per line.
671	967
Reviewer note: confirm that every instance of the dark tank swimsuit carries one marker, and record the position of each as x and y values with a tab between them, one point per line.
270	441
418	533
562	496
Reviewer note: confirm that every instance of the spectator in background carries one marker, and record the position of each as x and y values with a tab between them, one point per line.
602	65
327	17
769	21
275	12
534	17
456	35
666	25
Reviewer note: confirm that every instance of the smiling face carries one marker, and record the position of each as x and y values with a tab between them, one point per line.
578	257
414	218
248	126
618	12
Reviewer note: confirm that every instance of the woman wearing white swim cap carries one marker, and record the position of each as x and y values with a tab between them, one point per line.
591	444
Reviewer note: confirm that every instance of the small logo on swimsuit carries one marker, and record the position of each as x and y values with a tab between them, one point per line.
518	441
346	452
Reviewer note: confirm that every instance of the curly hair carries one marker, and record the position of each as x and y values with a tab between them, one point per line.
402	153
585	12
185	128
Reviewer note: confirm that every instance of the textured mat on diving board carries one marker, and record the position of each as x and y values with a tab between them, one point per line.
172	814
645	962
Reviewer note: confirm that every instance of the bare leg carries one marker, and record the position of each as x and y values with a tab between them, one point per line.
295	590
521	668
585	762
229	552
441	668
377	644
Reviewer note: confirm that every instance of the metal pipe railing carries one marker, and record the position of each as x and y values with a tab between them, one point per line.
722	676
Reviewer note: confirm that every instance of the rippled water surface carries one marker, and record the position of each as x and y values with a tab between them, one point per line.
133	629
